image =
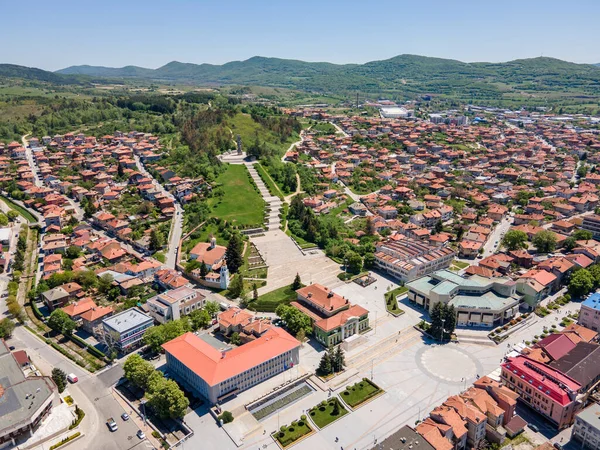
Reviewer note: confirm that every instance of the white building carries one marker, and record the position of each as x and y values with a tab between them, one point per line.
393	112
586	429
127	328
173	304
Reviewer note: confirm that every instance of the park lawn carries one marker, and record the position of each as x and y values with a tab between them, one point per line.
241	204
292	433
271	300
391	304
322	415
18	208
269	182
360	392
460	264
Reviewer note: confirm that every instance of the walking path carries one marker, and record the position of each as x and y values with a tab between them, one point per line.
273	204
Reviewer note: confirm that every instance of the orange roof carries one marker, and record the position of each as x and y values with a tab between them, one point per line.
322	297
215	367
78	308
432	434
341	318
97	312
234	316
210	255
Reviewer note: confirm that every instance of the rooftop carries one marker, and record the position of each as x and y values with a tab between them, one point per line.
593	301
127	320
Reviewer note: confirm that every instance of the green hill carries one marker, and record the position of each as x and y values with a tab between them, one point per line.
31	73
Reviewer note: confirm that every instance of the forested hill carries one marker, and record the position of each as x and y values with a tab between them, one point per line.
31	73
407	73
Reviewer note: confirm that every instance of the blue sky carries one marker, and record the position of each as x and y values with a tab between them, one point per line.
55	34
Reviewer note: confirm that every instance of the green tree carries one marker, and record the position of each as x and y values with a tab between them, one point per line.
105	283
369	260
12	215
594	270
450	319
354	261
168	400
175	328
254	292
544	241
439	227
294	319
3	220
199	318
226	417
570	243
236	287
155	337
582	235
581	283
339	360
6	328
325	365
235	338
301	335
297	284
233	254
60	379
336	407
203	270
138	371
212	308
515	240
192	265
61	322
437	321
157	240
72	252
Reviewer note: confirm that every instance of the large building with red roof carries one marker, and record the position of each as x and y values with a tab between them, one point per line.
217	375
549	391
333	317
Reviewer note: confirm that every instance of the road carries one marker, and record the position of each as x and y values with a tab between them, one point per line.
176	225
495	238
31	161
339	129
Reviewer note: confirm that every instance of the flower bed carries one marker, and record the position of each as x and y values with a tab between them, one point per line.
327	412
287	435
360	392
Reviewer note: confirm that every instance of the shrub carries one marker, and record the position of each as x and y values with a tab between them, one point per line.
65	440
282	429
226	417
302	417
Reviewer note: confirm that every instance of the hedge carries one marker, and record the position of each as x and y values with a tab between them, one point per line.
90	349
65	440
36	311
80	415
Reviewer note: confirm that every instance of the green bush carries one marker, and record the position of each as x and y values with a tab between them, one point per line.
226	417
80	415
65	440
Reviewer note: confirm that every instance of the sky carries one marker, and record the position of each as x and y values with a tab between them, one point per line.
55	34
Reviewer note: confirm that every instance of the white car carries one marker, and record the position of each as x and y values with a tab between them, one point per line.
141	434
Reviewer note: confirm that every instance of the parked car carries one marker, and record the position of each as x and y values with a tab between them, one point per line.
533	427
141	434
557	446
125	417
112	425
72	378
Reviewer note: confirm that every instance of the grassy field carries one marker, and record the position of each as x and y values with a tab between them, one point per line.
322	415
360	392
270	301
249	130
241	204
23	211
269	183
292	433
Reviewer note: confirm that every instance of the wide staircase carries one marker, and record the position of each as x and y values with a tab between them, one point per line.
273	204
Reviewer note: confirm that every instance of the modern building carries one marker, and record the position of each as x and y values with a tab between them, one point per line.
333	317
175	303
592	223
478	300
586	429
393	112
126	329
545	389
407	259
217	375
24	401
589	313
581	363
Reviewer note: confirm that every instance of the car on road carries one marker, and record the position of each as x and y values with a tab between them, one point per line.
72	378
112	425
141	434
125	417
557	446
533	428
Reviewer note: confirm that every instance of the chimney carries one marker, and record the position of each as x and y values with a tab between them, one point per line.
213	242
222	355
330	294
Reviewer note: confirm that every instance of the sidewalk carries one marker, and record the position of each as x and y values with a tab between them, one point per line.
137	419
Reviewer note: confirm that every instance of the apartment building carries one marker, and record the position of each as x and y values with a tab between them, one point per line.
175	303
407	259
217	375
478	300
551	393
586	429
126	329
592	223
589	313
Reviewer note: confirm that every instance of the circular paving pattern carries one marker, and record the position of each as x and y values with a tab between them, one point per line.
448	364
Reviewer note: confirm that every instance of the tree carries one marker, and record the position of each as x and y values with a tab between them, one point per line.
515	240
203	270
154	337
12	215
105	283
236	287
60	379
168	400
370	227
581	283
6	328
226	417
254	292
450	319
545	241
157	240
570	243
582	235
175	328
235	338
212	308
594	271
72	252
339	360
294	319
61	322
3	220
325	365
301	335
354	261
297	284
439	227
233	254
199	318
437	320
368	260
138	371
336	407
